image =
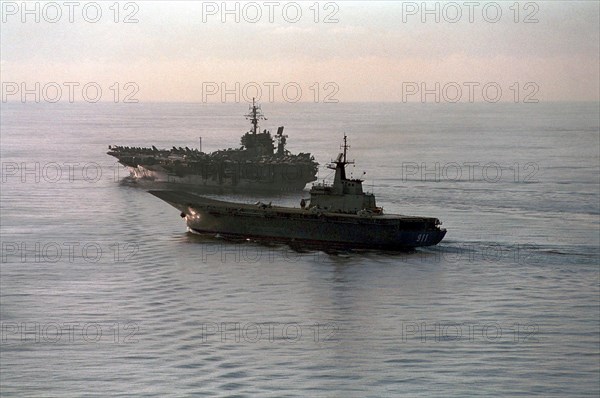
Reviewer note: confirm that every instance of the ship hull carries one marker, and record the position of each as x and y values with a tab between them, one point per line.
269	181
296	225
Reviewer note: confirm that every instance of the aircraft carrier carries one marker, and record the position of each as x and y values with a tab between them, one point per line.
258	165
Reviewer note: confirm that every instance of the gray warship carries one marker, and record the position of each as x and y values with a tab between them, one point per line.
338	214
257	165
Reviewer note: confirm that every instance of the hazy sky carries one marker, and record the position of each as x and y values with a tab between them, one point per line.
375	51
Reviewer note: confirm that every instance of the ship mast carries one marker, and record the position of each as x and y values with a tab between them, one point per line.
342	157
340	163
345	147
255	115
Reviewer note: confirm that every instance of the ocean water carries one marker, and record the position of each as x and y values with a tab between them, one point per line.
103	292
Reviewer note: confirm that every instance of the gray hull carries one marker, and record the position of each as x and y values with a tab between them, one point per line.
297	225
207	183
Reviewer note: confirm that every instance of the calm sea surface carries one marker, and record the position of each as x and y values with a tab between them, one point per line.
103	292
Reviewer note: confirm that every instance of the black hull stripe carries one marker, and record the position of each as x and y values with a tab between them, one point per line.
314	242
